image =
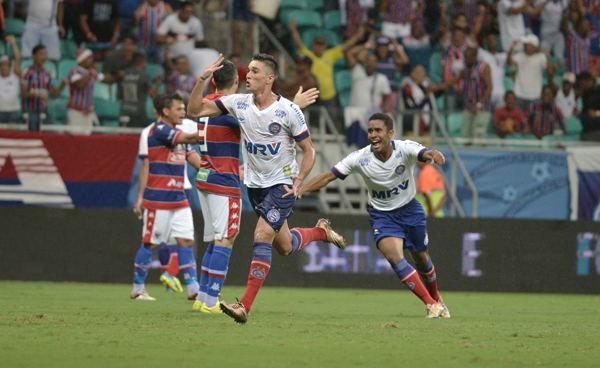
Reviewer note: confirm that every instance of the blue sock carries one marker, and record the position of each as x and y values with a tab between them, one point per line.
204	273
217	273
402	268
187	266
143	259
295	241
163	254
424	268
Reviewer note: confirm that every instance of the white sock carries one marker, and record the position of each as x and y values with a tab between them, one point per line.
136	288
201	296
193	288
211	301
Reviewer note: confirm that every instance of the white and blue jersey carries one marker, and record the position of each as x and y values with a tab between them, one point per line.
391	184
268	138
393	208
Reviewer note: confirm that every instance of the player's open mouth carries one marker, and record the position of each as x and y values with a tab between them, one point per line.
375	144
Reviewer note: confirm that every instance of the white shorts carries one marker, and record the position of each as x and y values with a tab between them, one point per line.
394	30
221	215
163	226
83	122
34	35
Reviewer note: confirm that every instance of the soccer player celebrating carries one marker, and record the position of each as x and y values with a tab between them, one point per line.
271	126
167	215
397	218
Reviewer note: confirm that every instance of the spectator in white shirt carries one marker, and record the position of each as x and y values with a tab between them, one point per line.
497	63
530	70
10	84
370	89
565	98
510	19
551	34
182	31
42	27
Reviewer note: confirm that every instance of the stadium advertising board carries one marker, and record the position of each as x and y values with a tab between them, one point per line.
514	184
63	170
496	255
584	178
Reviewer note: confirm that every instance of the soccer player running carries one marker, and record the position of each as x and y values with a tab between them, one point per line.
271	126
167	214
397	218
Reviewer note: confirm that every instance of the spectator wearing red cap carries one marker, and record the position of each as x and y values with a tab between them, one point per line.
80	109
9	84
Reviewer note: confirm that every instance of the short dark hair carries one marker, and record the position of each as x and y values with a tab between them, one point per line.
158	102
186	3
130	36
585	76
387	120
269	60
38	48
547	87
167	101
508	93
225	76
138	59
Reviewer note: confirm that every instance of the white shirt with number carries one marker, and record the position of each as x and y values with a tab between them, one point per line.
268	138
391	184
187	126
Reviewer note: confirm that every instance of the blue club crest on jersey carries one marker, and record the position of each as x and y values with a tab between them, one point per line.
273	215
274	128
400	169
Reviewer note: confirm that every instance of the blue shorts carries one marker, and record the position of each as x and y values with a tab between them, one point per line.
407	222
241	11
269	204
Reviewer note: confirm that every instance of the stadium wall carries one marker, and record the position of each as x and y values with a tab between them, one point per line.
496	255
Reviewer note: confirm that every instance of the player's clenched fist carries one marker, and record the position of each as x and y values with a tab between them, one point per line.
438	158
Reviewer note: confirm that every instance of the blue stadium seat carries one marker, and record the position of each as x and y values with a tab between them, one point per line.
149	109
333	39
108	112
293	4
153	69
68	49
573	126
14	26
344	98
305	19
332	20
435	67
509	84
57	111
454	124
340	65
343	81
101	91
316	5
65	67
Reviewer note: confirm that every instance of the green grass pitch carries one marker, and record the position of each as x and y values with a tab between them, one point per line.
46	324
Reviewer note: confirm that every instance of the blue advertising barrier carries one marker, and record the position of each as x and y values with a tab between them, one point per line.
531	185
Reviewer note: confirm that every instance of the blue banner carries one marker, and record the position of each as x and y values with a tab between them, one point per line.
531	185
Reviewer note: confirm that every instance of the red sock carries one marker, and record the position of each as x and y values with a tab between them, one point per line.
429	279
173	268
259	270
413	282
305	236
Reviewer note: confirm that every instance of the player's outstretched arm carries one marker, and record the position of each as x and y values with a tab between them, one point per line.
187	138
435	156
317	183
197	107
306	98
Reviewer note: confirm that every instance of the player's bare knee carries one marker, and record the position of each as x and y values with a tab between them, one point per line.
183	243
420	258
282	252
151	246
225	242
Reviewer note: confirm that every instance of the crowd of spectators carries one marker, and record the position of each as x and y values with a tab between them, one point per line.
549	50
482	45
